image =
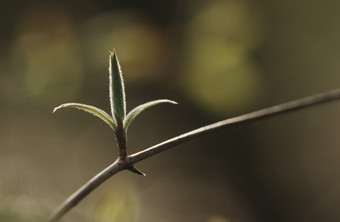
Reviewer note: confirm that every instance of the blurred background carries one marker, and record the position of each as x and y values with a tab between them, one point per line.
217	59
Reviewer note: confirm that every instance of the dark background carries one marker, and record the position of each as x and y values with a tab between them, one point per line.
217	59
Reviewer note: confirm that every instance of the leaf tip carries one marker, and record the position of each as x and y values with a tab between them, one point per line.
56	108
173	102
112	52
168	101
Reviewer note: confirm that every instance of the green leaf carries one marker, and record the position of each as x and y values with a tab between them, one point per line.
93	110
136	111
117	93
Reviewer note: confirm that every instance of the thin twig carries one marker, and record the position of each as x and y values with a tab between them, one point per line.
87	188
122	164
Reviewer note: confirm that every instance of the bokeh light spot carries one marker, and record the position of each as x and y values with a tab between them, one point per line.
141	48
118	204
220	74
46	53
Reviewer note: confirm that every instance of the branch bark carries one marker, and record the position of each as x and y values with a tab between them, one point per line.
126	163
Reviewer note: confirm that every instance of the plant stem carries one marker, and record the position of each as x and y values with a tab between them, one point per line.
121	138
125	163
87	188
257	115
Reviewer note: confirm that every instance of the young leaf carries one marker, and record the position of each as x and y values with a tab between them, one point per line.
93	110
136	111
117	93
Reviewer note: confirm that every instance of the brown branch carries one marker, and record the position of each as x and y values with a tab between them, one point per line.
126	163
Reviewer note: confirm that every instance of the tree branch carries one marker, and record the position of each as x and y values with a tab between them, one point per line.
126	163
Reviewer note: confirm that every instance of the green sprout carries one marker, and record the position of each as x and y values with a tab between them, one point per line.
118	120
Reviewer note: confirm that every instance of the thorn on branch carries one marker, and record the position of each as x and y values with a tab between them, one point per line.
135	170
